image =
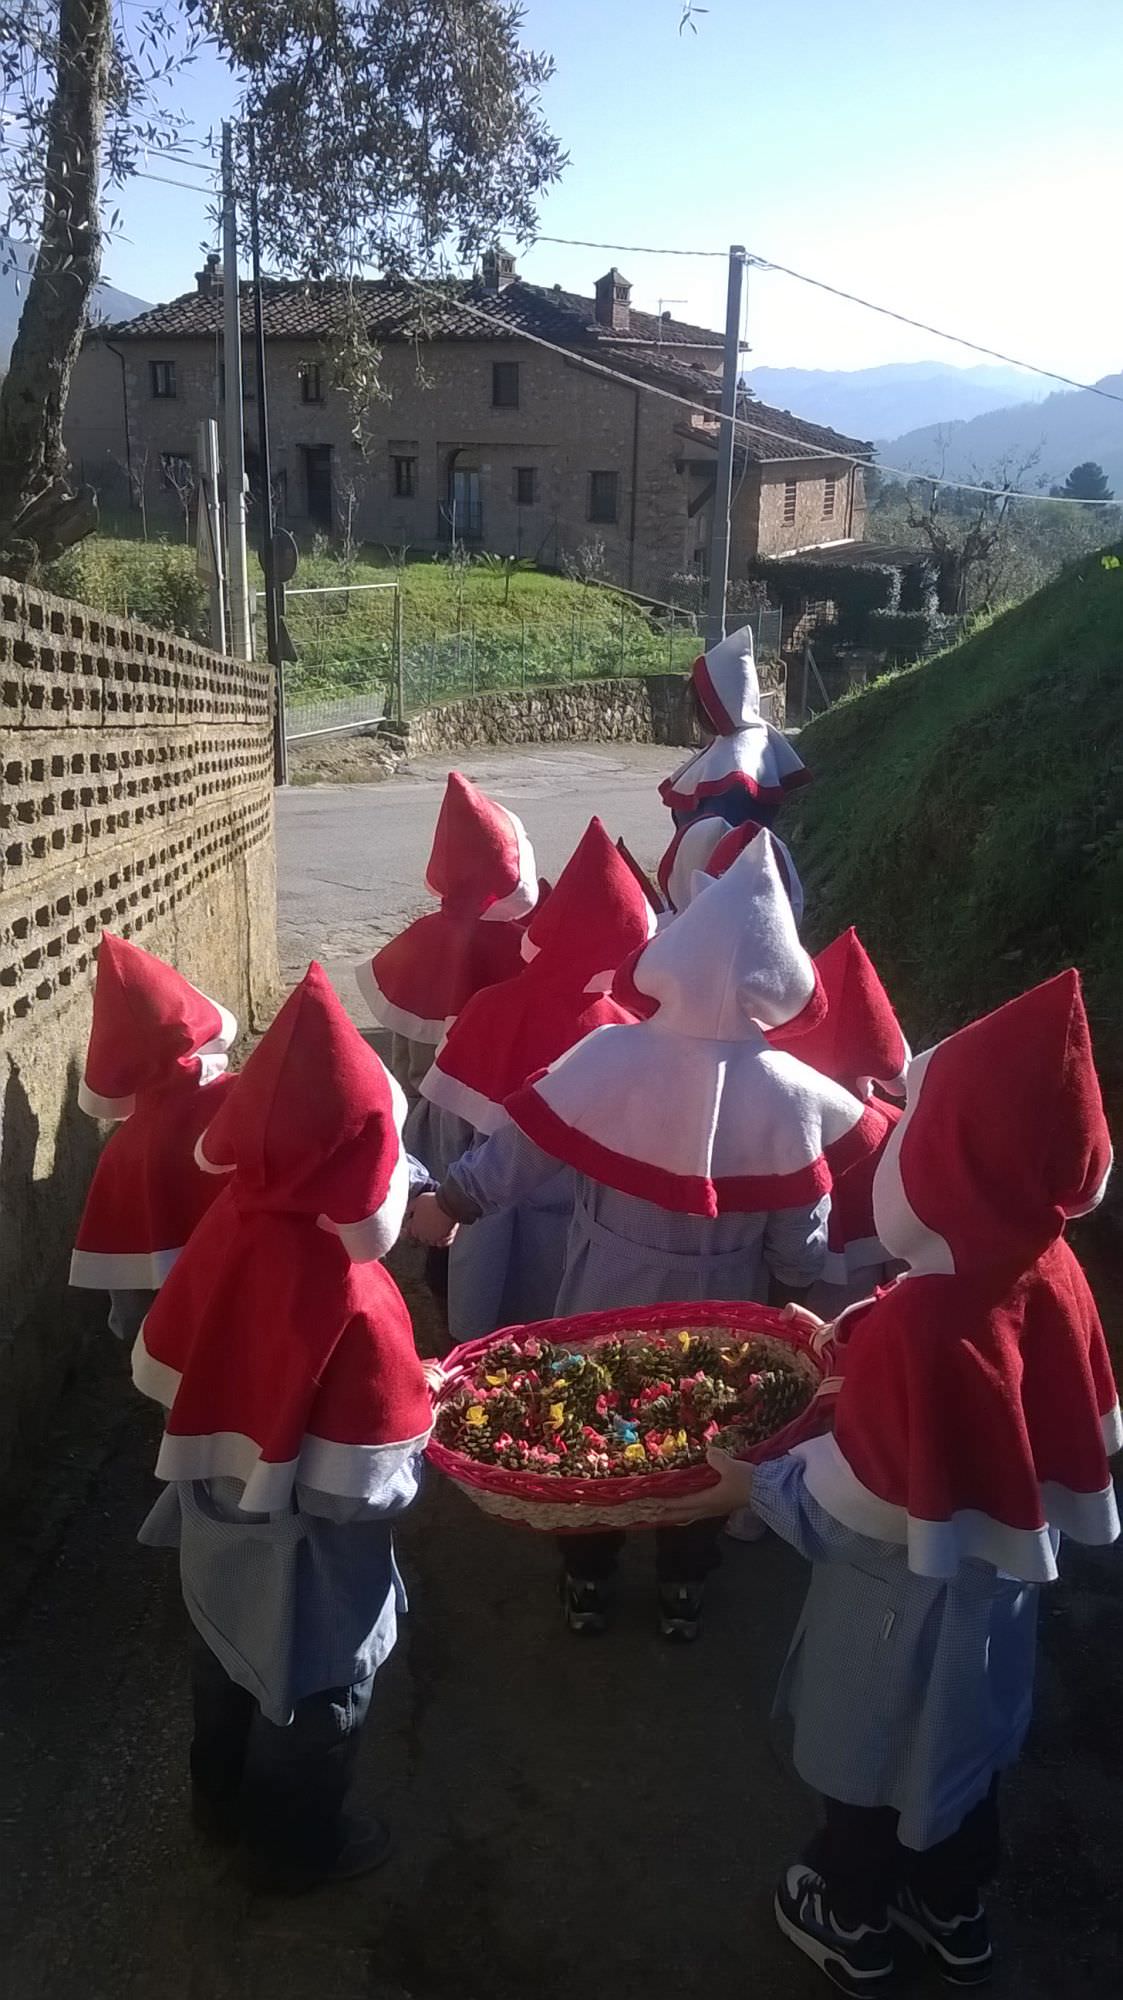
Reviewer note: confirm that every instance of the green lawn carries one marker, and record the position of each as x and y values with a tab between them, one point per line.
462	627
967	815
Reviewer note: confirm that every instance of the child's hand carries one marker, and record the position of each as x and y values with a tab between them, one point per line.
820	1330
734	1489
428	1223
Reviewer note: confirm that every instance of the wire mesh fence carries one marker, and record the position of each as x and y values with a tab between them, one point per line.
363	652
345	640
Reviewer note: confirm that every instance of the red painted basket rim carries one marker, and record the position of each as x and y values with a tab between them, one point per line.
580	1330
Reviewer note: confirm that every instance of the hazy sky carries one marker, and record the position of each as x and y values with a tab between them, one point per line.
958	159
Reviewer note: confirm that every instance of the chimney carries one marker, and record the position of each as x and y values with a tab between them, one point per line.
209	279
498	269
614	301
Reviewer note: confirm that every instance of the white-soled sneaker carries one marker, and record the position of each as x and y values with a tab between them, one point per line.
858	1961
960	1945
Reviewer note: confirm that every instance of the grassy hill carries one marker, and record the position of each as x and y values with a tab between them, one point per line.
967	816
463	628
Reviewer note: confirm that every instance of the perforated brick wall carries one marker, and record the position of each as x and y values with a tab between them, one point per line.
135	795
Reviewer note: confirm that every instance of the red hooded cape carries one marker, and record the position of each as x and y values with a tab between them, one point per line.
978	1408
155	1064
279	1347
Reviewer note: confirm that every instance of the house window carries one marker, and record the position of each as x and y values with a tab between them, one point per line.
602	495
161	376
177	469
311	382
789	501
405	477
504	385
828	499
526	485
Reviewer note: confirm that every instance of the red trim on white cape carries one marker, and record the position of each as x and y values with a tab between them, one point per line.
691	1194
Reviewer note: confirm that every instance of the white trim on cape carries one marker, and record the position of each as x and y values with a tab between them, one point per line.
937	1548
121	1270
413	1026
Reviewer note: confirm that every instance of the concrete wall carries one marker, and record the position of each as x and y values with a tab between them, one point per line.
135	795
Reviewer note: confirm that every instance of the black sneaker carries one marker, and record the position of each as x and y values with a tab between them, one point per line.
857	1961
586	1605
368	1843
680	1611
960	1945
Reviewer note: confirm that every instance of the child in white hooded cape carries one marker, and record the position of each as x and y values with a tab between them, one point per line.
703	1159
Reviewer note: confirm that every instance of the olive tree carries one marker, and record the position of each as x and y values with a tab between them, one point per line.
391	136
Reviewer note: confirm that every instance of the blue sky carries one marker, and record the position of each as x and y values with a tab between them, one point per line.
959	159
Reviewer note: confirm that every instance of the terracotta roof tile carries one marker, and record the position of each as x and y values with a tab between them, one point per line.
453	309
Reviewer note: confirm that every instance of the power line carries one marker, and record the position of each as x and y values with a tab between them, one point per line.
165	180
852	298
580	360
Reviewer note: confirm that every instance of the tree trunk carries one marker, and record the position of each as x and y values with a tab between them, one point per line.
40	513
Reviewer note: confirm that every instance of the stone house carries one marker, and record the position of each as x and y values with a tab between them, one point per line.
516	418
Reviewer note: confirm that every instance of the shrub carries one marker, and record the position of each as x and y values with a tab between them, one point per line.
901	635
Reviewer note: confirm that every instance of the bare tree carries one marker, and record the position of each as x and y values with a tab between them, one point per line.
179	476
966	542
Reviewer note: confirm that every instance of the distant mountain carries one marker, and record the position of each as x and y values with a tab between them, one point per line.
107	302
1069	427
883	402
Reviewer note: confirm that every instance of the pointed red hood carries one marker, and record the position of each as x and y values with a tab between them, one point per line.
1004	1139
314	1125
595	916
280	1349
482	868
150	1028
978	1406
860	1042
481	864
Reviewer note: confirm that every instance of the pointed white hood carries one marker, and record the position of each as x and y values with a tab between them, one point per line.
691	1109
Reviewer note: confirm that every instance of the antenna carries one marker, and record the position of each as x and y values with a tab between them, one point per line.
662	303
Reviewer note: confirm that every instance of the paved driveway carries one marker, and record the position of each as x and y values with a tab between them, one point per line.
351	858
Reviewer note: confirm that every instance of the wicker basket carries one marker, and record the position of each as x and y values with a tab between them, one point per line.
637	1500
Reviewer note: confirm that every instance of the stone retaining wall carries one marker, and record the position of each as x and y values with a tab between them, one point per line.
136	796
653	708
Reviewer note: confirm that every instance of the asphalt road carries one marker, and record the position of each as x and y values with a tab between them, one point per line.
576	1820
351	857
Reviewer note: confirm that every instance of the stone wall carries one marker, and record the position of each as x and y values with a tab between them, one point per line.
135	795
653	708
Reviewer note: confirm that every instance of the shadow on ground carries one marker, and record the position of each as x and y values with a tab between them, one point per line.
573	1818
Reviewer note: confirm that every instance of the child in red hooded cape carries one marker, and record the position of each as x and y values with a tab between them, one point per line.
482	870
507	1269
296	1413
972	1430
156	1068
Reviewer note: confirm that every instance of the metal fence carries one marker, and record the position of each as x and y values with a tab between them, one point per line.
362	653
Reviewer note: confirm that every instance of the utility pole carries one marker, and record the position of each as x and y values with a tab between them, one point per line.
210	530
723	487
273	591
240	641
